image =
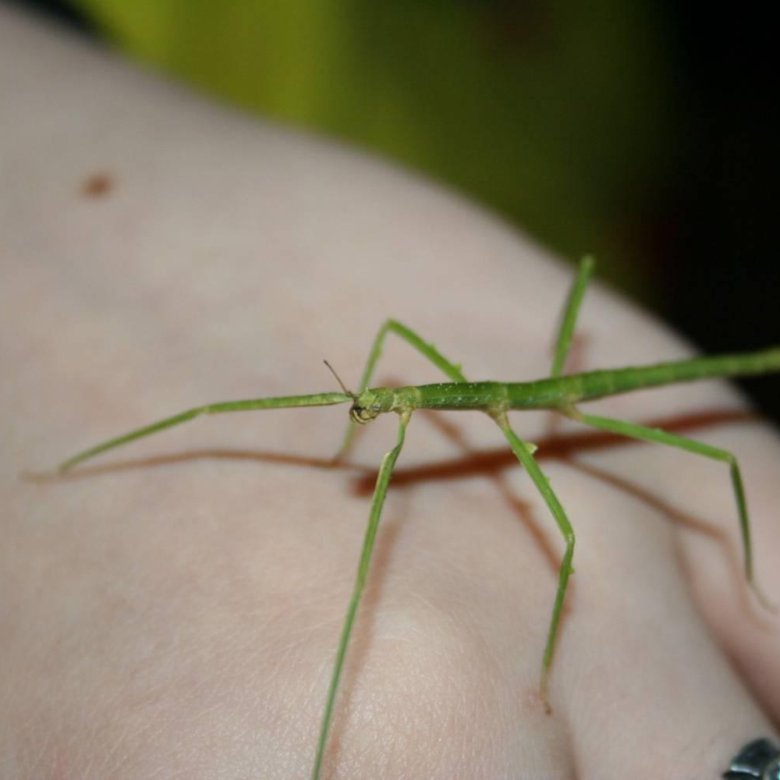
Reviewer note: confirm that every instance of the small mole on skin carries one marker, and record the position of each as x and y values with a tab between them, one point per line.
98	185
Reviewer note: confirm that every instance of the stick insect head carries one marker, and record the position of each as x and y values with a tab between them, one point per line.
372	402
365	407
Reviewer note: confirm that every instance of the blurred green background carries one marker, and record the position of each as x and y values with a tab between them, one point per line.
555	118
640	131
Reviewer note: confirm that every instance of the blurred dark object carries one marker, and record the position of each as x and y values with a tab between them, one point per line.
720	283
61	10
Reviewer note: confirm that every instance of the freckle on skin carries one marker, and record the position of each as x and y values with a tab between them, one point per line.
97	185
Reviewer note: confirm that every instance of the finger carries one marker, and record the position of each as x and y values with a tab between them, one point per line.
648	691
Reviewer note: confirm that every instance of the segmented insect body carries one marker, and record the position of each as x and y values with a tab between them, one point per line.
556	392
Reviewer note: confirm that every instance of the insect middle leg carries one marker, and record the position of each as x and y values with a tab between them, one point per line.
524	450
635	431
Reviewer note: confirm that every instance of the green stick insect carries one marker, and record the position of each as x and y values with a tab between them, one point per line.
557	393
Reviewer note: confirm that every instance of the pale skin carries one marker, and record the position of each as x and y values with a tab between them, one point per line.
174	612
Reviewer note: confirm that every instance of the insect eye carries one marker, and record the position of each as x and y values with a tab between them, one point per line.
362	414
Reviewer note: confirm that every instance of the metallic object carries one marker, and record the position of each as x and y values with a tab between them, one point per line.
758	760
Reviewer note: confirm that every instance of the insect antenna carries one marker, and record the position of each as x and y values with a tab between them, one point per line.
338	379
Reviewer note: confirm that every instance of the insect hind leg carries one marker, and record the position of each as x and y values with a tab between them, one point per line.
635	431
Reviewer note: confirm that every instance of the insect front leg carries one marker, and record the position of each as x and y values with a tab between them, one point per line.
634	431
220	407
